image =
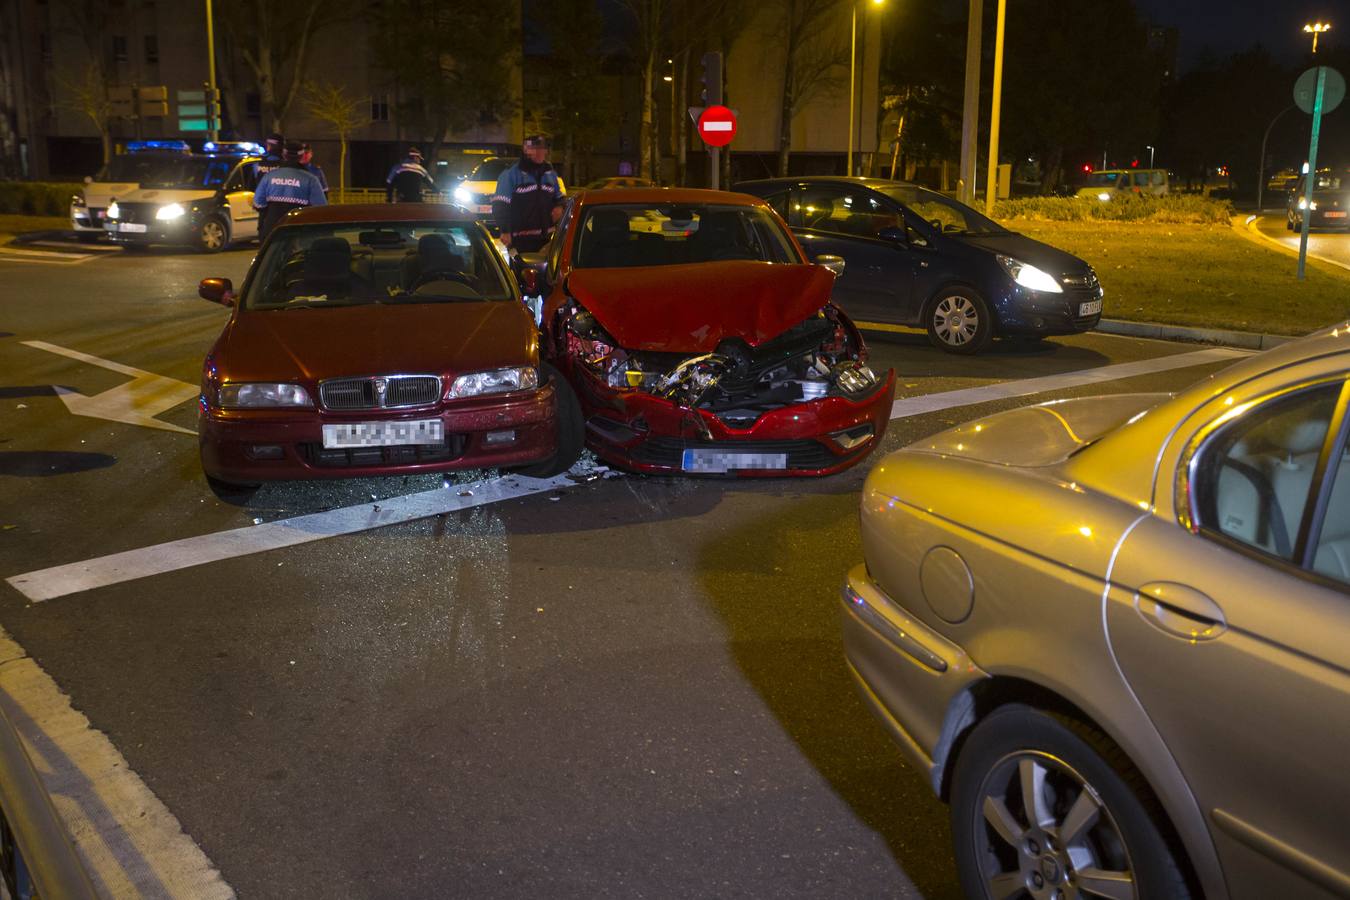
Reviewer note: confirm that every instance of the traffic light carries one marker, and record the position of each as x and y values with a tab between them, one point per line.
712	79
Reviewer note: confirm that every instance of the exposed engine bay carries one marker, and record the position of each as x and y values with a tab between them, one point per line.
819	357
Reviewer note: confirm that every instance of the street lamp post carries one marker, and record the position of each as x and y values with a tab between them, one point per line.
852	79
212	105
1149	148
1261	169
1315	29
991	188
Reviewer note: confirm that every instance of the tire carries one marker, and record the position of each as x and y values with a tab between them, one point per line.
571	429
213	235
958	321
1077	768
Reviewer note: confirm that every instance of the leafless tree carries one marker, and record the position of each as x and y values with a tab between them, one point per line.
812	54
88	95
344	113
273	38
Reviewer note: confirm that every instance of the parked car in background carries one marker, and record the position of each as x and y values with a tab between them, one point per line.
618	181
376	340
1330	201
1108	184
202	200
915	257
700	340
122	175
1111	632
474	193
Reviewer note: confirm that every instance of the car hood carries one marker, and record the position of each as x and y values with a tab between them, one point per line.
693	308
1027	250
309	345
101	193
1034	436
164	195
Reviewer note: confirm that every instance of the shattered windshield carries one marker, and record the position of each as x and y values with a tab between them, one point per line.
621	235
359	263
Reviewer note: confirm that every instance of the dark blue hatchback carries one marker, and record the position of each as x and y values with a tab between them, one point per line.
915	257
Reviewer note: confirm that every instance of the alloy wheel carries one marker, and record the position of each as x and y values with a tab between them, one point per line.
1045	833
213	235
956	320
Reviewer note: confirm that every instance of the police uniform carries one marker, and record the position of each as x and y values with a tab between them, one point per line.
282	190
407	180
524	200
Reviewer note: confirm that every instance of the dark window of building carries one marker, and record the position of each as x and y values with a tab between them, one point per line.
379	108
119	48
45	46
151	49
253	105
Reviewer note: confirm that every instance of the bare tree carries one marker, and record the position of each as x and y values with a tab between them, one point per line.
88	95
273	38
812	51
10	164
344	113
91	22
650	18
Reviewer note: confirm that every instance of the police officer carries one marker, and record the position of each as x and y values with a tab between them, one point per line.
408	179
284	189
307	162
529	197
272	157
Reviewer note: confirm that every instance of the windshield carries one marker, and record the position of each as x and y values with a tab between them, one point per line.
1328	181
358	263
1104	179
942	213
137	167
162	171
490	169
620	235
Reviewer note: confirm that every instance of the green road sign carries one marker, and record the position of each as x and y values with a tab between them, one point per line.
1333	89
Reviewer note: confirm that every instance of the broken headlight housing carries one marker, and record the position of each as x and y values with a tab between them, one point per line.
854	379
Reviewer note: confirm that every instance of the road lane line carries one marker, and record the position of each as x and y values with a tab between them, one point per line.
71	578
1008	390
129	842
14	254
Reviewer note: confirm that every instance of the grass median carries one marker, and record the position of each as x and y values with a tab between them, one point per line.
1204	276
10	225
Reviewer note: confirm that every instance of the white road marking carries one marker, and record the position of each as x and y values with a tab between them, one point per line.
135	403
58	581
130	843
1006	390
15	254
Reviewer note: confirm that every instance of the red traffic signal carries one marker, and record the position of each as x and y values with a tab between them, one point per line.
1087	167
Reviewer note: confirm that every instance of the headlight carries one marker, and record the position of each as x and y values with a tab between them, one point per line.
253	396
462	195
77	200
1303	204
1030	277
1103	196
497	381
170	212
113	211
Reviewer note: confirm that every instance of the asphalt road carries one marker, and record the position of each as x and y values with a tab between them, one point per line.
630	687
1333	246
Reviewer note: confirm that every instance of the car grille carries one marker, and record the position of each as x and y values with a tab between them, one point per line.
1082	281
137	213
380	392
668	451
317	455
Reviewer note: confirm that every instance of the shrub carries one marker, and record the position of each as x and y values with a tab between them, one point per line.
36	198
1169	208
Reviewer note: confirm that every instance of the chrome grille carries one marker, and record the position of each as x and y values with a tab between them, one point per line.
380	392
1088	280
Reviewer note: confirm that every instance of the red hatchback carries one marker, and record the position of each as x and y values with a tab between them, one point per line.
375	340
699	339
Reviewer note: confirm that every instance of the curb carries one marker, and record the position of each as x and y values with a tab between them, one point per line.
1248	340
1247	228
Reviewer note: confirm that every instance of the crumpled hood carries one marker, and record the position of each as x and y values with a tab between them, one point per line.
1043	435
314	344
1028	250
692	308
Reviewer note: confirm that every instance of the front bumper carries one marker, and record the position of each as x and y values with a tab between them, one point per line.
649	434
908	674
1020	311
230	440
175	231
86	219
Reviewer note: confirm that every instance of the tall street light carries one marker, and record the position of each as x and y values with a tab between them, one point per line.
1149	148
991	189
212	104
852	79
1315	29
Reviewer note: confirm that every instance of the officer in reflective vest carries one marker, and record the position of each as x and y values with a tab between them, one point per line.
284	189
528	200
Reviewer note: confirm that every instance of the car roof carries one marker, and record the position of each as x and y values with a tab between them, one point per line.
663	196
837	179
377	212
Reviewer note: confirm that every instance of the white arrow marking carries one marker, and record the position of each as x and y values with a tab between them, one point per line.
136	403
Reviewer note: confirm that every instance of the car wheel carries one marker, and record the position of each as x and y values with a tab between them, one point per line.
1046	807
958	321
571	429
213	236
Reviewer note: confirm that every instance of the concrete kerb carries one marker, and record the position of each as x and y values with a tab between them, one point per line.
1246	227
1247	340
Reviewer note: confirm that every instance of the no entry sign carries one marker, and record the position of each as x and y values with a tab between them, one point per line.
717	126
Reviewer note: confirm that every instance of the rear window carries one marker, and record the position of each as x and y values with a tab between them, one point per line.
351	264
622	235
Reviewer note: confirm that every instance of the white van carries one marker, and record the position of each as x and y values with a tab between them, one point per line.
1107	184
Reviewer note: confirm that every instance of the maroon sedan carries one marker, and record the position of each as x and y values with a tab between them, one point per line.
376	340
699	339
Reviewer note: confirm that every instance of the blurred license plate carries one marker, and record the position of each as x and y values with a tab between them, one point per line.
1090	309
131	228
1335	214
722	461
483	208
383	434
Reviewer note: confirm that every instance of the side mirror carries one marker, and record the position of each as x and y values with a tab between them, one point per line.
895	235
217	290
834	263
531	282
532	269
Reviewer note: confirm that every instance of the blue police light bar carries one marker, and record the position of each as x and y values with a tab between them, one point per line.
240	148
144	146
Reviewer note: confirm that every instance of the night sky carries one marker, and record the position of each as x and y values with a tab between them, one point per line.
1226	26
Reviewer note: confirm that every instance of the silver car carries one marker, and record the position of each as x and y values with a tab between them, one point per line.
1115	634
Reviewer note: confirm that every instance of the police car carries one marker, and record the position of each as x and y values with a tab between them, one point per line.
203	200
120	176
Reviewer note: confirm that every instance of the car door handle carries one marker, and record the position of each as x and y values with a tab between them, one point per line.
1180	610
